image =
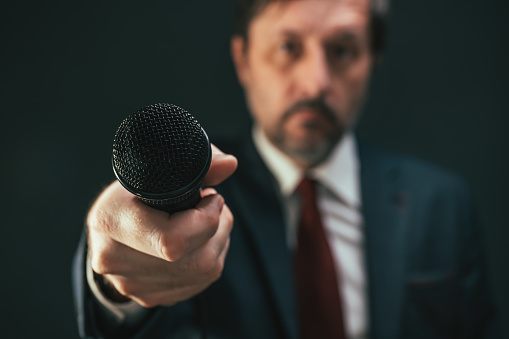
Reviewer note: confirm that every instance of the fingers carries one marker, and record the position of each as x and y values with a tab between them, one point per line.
189	229
127	220
111	256
209	258
153	281
221	167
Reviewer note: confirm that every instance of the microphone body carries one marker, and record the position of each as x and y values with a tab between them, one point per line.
161	154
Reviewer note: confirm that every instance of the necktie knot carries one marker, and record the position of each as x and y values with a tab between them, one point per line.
310	215
307	188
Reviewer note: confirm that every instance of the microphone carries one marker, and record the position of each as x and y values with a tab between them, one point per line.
161	154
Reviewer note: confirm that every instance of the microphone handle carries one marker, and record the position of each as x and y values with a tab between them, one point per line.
182	202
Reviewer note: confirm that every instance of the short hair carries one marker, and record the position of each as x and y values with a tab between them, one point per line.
379	9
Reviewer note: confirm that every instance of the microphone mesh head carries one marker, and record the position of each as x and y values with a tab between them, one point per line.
160	151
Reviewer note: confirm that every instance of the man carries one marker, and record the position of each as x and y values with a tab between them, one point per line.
400	235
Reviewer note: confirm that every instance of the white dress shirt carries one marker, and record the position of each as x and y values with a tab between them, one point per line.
339	202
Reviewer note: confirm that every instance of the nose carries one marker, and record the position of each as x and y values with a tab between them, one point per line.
315	79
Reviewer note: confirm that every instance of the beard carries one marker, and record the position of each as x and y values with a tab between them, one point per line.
309	141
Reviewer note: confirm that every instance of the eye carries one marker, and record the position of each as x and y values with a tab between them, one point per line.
290	47
342	52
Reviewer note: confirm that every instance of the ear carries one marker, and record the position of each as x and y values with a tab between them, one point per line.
238	52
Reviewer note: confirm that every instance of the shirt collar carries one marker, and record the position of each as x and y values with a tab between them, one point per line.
339	173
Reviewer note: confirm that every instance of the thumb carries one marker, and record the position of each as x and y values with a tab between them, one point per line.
222	166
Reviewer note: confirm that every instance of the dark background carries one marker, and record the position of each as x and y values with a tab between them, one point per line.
70	71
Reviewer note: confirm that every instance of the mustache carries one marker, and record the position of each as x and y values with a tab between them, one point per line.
316	104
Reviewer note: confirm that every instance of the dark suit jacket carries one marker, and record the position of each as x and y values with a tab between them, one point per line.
423	257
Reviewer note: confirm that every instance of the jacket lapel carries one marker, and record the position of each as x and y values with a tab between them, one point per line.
262	215
385	210
385	207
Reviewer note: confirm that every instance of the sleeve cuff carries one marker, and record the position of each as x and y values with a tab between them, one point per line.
117	313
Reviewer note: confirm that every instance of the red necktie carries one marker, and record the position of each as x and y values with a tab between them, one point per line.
319	304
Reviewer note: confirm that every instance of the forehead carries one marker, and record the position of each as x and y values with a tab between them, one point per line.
312	16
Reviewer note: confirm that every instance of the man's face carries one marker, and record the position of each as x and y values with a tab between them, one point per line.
305	67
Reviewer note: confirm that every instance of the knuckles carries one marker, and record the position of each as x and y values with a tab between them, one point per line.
209	265
124	288
209	219
170	248
175	245
228	216
217	271
99	220
102	262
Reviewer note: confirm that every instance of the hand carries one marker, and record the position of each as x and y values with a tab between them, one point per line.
155	258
